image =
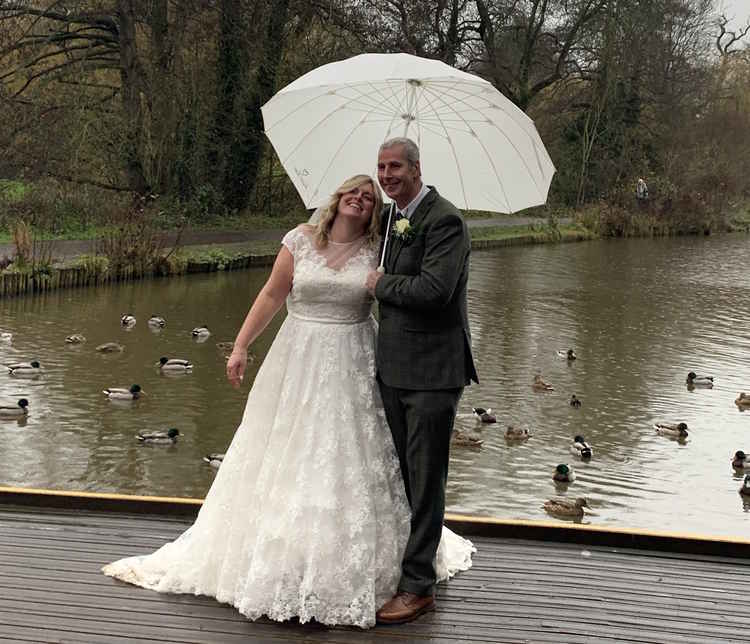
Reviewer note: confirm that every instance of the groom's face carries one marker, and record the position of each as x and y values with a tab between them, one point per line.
399	179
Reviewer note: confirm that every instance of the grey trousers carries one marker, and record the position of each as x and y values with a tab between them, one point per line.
421	423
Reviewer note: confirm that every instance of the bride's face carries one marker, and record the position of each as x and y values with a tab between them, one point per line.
357	204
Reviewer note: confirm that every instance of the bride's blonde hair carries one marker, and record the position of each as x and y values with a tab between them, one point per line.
323	227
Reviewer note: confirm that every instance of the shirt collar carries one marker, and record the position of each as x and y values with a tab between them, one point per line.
414	203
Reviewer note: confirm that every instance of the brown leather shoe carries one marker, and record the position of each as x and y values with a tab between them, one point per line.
404	607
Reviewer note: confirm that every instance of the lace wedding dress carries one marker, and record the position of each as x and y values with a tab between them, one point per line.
307	515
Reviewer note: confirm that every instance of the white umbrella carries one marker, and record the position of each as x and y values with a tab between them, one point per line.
476	147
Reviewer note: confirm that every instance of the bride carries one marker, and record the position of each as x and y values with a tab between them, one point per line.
307	516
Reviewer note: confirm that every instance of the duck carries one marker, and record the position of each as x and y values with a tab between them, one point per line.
568	354
745	489
564	474
581	448
174	364
128	320
156	320
673	430
120	393
214	460
76	338
225	347
159	438
110	347
200	332
743	400
466	440
6	336
32	368
575	401
566	507
740	461
15	411
513	433
694	380
540	385
485	415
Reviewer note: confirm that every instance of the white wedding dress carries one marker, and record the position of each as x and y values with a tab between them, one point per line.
307	515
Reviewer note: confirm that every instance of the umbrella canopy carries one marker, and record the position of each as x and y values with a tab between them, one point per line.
479	149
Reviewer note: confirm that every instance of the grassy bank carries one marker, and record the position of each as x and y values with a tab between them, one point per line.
93	270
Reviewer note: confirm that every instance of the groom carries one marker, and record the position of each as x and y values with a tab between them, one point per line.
423	356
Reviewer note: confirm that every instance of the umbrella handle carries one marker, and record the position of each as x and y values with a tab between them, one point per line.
381	267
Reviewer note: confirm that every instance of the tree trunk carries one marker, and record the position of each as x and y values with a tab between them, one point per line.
132	82
241	172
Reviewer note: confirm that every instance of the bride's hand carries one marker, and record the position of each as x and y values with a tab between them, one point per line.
236	368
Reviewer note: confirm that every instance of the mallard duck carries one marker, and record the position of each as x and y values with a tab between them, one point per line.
740	461
200	332
128	320
465	440
574	401
564	474
15	411
32	368
540	385
159	438
120	393
6	336
743	400
214	460
566	507
745	489
174	364
517	433
156	320
110	347
581	448
485	415
699	381
673	430
568	354
76	338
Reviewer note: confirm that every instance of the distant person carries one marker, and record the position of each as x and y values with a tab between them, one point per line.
641	190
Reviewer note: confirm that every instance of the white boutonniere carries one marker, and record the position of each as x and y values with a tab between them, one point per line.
403	230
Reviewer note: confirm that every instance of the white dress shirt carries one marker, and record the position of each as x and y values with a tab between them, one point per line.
408	211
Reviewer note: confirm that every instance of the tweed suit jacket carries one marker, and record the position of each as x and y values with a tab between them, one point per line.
424	341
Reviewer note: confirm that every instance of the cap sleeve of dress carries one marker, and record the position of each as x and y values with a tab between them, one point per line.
294	239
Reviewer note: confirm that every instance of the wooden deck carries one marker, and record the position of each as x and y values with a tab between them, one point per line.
519	590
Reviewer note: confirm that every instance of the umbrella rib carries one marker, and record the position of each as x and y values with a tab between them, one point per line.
335	154
399	109
489	158
312	99
453	150
323	120
520	156
387	99
511	114
445	128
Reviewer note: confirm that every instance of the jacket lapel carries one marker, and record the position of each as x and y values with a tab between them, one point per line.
417	216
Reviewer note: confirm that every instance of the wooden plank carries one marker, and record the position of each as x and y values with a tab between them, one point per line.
517	591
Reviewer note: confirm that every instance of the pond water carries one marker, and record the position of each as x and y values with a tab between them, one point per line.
640	314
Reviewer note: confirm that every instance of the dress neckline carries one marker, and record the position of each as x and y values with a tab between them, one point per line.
349	243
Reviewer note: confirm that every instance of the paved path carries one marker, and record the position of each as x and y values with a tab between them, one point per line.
67	248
